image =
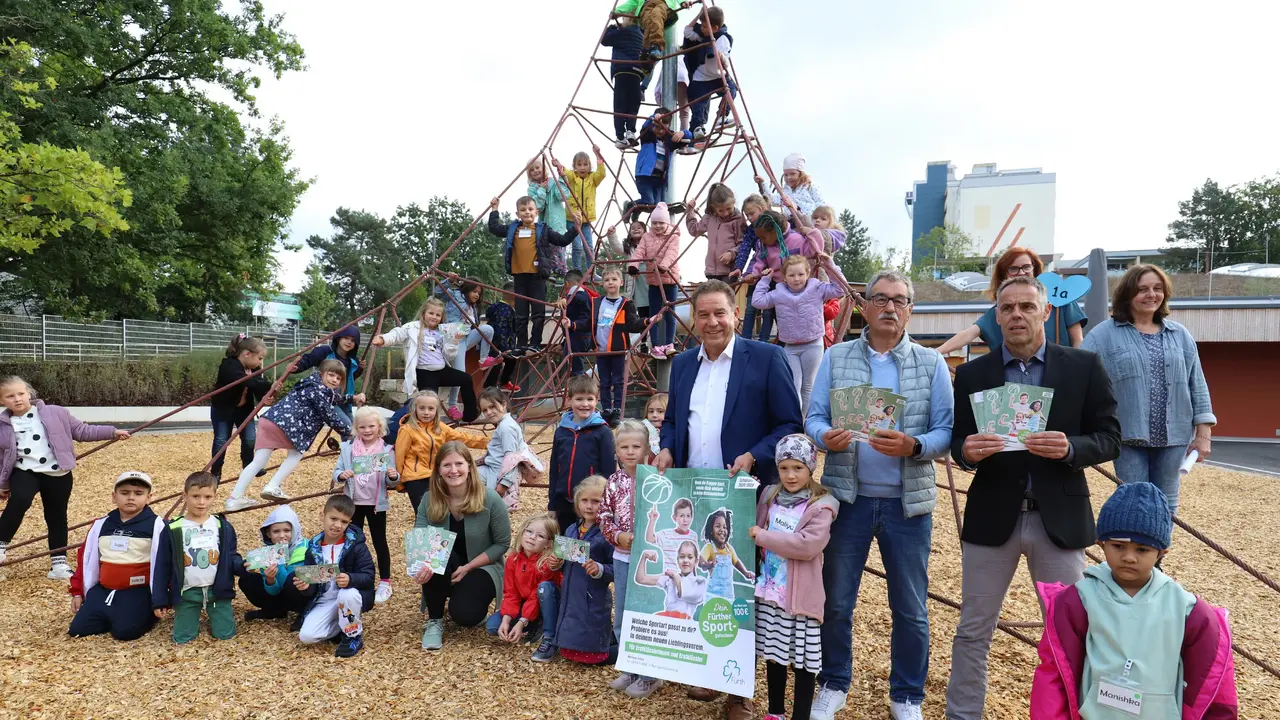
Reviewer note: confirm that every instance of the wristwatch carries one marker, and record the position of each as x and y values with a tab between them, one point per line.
917	449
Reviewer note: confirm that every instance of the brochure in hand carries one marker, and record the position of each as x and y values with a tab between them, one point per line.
316	574
570	550
428	546
264	557
375	463
1012	411
863	410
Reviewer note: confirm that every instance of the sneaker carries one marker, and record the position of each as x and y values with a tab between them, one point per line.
659	352
383	594
699	133
546	651
624	681
904	711
272	492
723	124
771	716
4	550
827	703
631	139
239	503
60	571
688	150
643	688
622	144
490	362
349	646
433	635
296	625
454	413
511	387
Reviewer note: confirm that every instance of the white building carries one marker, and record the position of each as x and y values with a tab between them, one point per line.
998	208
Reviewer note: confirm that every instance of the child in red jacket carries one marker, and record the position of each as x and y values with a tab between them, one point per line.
530	586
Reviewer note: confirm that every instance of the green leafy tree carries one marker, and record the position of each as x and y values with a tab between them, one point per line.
424	234
317	300
946	248
157	90
1221	226
856	259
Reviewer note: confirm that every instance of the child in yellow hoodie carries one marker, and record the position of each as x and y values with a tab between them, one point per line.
583	184
421	435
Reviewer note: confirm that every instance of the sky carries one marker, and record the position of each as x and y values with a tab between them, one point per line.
1132	105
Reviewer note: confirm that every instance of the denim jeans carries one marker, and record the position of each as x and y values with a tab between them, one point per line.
652	188
582	255
749	320
664	331
1156	465
698	88
904	549
611	371
548	608
223	425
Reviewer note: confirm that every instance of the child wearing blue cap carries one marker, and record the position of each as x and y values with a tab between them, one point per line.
1127	641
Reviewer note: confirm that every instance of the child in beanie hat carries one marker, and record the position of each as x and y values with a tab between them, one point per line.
659	250
1127	640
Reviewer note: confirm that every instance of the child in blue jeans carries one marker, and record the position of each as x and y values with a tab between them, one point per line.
531	589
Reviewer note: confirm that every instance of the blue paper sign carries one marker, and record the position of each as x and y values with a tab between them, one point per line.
1064	290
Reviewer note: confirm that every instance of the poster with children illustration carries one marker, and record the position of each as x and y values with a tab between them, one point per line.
375	463
863	410
690	610
264	557
571	550
428	546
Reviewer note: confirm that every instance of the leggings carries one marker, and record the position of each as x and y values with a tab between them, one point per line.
260	459
433	379
55	493
804	359
776	675
417	489
378	534
469	598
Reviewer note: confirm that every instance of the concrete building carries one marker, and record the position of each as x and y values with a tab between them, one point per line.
998	208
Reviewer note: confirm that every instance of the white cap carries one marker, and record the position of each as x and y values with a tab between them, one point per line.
137	475
794	161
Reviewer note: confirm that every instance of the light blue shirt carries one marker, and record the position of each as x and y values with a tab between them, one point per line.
880	475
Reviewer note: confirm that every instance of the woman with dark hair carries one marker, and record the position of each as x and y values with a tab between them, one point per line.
1065	325
1154	367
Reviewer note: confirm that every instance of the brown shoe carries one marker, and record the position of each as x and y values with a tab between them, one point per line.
738	708
702	694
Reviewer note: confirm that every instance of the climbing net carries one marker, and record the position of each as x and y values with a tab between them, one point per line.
729	146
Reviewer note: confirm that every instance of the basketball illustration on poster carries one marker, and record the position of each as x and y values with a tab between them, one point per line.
690	612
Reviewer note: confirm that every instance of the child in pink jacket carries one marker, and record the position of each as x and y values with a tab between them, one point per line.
659	250
769	227
724	227
1127	641
793	526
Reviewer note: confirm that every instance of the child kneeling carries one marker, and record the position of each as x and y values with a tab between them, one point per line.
334	607
1127	640
531	588
195	564
271	590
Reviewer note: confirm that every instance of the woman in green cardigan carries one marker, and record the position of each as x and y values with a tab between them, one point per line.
458	501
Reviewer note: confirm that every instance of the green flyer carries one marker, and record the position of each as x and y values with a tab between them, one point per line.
691	614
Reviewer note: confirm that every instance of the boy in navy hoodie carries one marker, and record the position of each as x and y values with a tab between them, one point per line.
576	306
333	608
271	589
344	347
582	447
194	566
111	588
627	40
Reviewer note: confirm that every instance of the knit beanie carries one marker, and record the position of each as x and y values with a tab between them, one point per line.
794	161
660	214
797	447
1137	512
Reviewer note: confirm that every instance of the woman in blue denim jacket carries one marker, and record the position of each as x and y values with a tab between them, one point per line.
1155	371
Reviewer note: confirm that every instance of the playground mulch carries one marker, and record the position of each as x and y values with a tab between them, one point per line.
265	673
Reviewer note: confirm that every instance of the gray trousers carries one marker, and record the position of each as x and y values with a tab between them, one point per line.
987	574
804	359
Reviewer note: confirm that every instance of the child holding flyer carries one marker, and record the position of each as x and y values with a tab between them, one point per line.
531	589
793	526
366	468
333	609
718	557
584	629
670	539
271	589
617	521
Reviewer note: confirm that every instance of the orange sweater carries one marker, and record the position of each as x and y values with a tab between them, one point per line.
416	448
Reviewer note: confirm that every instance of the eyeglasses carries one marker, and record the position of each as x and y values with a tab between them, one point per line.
899	302
1021	269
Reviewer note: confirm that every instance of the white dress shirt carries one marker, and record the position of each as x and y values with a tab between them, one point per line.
706	408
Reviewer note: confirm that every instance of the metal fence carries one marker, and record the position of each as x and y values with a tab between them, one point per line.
49	337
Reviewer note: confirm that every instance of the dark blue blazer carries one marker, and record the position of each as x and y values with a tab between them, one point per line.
761	407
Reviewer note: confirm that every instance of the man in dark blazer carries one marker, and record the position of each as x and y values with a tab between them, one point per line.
731	401
1034	502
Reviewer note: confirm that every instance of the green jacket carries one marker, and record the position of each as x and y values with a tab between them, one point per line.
487	532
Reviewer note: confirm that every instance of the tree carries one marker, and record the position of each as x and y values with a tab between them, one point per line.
359	262
317	300
425	234
856	259
1222	226
132	85
949	247
45	189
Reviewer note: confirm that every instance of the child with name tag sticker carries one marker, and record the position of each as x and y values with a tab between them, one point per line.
1127	641
195	563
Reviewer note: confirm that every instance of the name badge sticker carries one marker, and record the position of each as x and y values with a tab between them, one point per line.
1120	697
119	543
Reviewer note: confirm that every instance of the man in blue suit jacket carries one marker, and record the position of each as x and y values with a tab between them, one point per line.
732	399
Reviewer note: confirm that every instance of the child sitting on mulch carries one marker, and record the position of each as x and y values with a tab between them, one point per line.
111	588
194	566
334	607
271	589
1128	640
530	587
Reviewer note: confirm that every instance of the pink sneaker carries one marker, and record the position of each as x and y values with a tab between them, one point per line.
454	413
490	362
659	352
775	717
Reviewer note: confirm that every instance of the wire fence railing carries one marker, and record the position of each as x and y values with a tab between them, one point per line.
50	337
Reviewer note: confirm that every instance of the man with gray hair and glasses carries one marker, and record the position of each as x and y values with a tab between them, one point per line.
1034	502
886	491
